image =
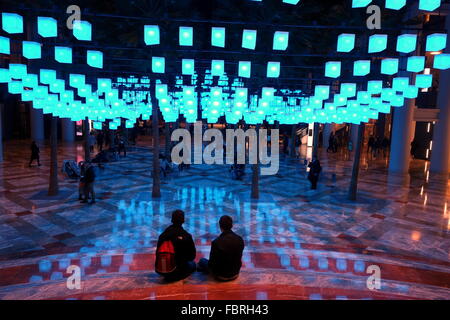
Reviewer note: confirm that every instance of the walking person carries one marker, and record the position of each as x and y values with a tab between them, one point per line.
225	258
314	172
175	251
89	180
100	140
120	143
34	154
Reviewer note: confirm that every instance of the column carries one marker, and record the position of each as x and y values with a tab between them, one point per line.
1	132
327	130
68	130
37	124
440	157
354	134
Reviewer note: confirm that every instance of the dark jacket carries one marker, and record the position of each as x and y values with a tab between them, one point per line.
183	244
225	259
315	169
34	151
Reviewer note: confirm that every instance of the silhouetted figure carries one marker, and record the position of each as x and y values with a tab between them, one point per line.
89	180
34	154
175	251
100	140
385	145
414	146
120	144
314	172
225	258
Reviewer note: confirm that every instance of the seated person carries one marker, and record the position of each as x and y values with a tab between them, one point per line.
175	251
225	258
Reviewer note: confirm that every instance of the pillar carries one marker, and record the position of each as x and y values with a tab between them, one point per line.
68	130
1	133
354	134
440	156
37	124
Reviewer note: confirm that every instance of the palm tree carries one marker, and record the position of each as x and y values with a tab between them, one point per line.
53	188
352	192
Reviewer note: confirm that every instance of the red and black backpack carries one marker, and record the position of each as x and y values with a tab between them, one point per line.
165	258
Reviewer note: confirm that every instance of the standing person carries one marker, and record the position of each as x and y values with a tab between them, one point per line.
414	146
371	145
81	184
34	154
331	143
225	258
92	141
335	143
89	180
385	146
175	251
100	140
120	143
314	172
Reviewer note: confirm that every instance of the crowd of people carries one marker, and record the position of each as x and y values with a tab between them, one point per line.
176	252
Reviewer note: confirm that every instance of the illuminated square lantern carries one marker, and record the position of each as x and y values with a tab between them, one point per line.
280	40
17	71
267	93
333	69
442	61
12	22
395	4
346	42
75	80
15	87
57	86
249	39
30	81
397	101
186	37
217	67
294	2
273	69
63	54
364	97
322	92
82	30
424	81
389	66
113	125
47	76
339	100
406	43
245	69
5	45
348	90
411	92
378	43
98	125
95	59
400	83
218	37
103	85
188	67
387	94
416	64
360	3
4	75
158	64
361	68
160	91
31	50
429	5
47	27
436	42
242	93
151	35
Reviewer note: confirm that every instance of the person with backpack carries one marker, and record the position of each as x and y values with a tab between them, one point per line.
175	251
34	154
225	258
314	172
89	179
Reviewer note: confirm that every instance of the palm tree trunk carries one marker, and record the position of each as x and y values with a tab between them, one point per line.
156	190
355	172
87	152
255	172
53	188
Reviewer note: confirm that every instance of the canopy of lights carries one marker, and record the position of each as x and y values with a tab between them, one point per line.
217	95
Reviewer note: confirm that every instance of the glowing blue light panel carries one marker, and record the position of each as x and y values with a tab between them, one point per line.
375	86
217	67
63	54
249	39
346	42
160	91
12	22
348	90
400	83
406	43
389	66
75	80
395	4
95	59
280	40
82	30
429	5
361	68
273	69
436	42
360	3
411	92
442	61
333	69
218	37
424	81
17	71
47	27
188	67
294	2
31	50
322	92
245	68
151	35
416	64
186	37
4	75
47	76
5	45
377	43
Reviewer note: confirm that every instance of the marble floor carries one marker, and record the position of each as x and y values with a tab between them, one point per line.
300	244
